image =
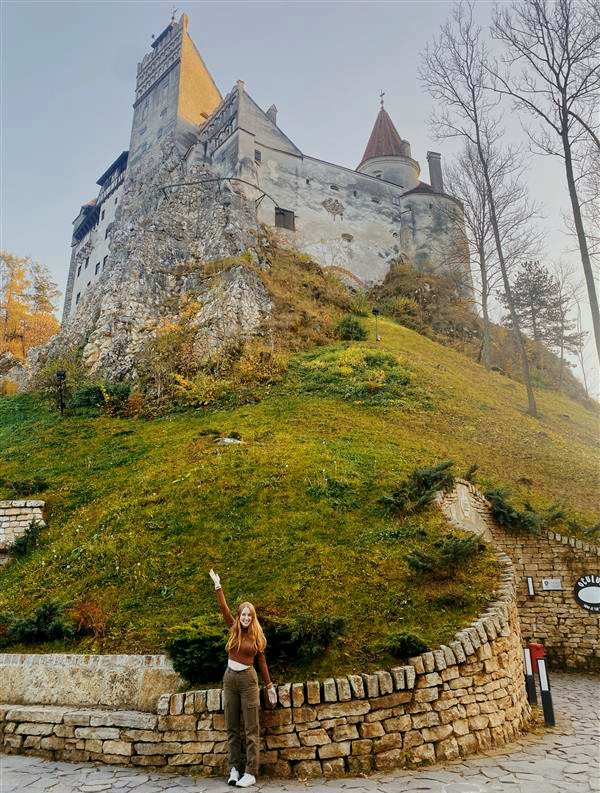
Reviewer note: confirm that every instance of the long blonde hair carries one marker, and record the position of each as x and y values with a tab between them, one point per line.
255	631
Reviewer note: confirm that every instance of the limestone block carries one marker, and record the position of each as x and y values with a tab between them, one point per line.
173	747
359	765
410	676
458	651
426	695
398	723
34	728
447	749
80	718
218	721
32	742
185	722
64	731
429	719
313	692
362	746
341	749
308	769
467	744
276	718
371	684
52	742
417	664
390	759
425	753
357	686
329	690
297	695
176	704
149	760
125	718
197	747
148	736
392	740
334	767
298	753
213	699
451	673
199	701
343	689
50	715
438	733
344	732
93	745
186	759
189	705
284	695
282	741
379	715
411	739
478	722
101	733
440	659
372	730
386	684
164	703
429	679
119	747
391	700
337	709
303	715
316	737
397	673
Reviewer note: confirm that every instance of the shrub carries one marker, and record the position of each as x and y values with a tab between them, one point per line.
301	638
45	624
350	329
339	494
446	555
29	540
471	473
405	645
25	487
89	617
527	519
416	492
198	650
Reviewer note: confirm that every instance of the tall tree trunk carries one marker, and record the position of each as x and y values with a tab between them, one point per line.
532	407
486	345
582	240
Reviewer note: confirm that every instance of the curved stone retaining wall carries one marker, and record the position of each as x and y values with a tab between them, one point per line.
15	517
444	704
112	681
570	633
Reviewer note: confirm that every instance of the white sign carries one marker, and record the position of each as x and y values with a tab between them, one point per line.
551	583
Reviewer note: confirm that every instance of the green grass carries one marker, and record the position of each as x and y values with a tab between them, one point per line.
138	511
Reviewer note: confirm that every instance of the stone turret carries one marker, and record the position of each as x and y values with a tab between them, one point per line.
388	156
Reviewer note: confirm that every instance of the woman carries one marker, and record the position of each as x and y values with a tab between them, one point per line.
240	685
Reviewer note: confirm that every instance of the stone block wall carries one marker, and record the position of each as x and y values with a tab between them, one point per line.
570	633
15	517
444	704
111	681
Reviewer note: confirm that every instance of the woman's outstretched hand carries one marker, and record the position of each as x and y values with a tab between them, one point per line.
272	694
215	578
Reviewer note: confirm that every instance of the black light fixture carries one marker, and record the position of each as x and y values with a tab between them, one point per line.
61	376
376	312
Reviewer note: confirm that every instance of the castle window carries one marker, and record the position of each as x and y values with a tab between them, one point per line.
87	261
159	133
97	269
78	271
347	237
77	298
104	261
396	200
116	199
257	155
89	283
334	187
106	232
375	200
284	219
102	216
355	193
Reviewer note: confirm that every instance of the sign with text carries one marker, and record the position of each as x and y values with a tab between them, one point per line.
587	592
551	583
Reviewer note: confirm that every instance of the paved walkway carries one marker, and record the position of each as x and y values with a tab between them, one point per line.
563	760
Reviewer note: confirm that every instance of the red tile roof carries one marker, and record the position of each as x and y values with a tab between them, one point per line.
384	141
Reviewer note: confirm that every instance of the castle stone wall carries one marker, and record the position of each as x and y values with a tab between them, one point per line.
110	681
15	517
570	633
445	704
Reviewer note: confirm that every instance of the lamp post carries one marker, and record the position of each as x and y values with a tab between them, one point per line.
61	376
376	312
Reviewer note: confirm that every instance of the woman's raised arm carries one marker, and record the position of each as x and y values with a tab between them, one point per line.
227	616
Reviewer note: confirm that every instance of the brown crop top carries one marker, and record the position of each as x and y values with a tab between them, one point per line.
246	652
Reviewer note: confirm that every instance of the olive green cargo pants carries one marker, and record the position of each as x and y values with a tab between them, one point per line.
241	701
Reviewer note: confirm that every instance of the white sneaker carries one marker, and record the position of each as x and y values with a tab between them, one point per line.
234	775
246	781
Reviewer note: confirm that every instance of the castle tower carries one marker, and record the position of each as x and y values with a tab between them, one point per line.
388	156
174	93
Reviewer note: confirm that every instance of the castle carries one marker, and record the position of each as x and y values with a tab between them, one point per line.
357	221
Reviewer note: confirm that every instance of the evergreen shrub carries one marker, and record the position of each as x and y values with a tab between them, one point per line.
416	492
445	556
301	638
25	487
45	624
197	650
526	520
405	645
29	540
350	329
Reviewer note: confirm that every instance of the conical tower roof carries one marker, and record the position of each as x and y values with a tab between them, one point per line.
385	140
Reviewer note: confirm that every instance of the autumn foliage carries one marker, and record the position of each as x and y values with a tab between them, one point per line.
27	304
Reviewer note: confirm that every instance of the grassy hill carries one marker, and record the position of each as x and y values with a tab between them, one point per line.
139	510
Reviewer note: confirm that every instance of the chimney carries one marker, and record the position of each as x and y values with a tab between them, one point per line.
272	114
434	159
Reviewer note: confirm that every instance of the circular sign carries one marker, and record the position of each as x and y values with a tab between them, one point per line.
587	592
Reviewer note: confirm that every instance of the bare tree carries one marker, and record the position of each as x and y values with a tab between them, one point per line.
552	70
515	214
453	69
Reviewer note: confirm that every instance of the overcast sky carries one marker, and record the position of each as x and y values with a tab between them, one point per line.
68	76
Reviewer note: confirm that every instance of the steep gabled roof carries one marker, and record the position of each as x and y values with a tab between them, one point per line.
384	141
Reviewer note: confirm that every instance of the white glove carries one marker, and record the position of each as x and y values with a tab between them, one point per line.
215	578
272	695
